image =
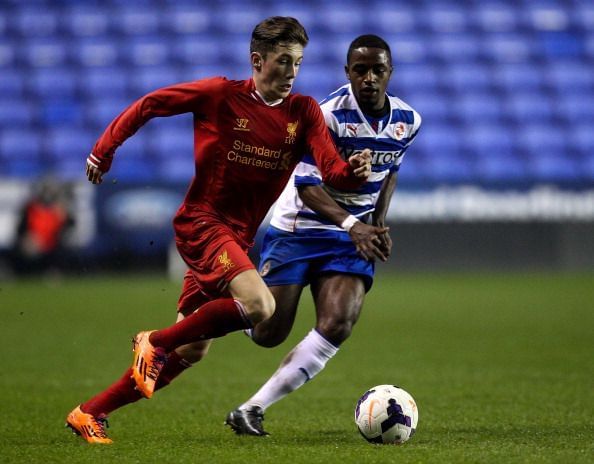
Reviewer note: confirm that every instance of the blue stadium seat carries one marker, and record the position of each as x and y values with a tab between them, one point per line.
146	51
553	167
476	107
408	48
8	53
11	83
201	49
65	143
557	45
61	112
576	107
583	15
417	77
38	21
572	75
582	140
54	83
102	109
452	48
105	82
96	51
508	48
464	77
131	20
188	19
446	18
487	139
494	16
133	170
340	17
20	144
42	52
517	77
236	19
432	106
136	148
23	168
171	142
540	138
176	169
149	78
16	112
530	106
319	80
502	169
86	20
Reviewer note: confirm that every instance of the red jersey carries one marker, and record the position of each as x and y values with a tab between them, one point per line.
244	150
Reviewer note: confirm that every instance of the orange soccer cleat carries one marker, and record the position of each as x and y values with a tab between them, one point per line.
148	363
89	427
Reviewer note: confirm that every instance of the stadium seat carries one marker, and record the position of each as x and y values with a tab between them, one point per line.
131	20
37	21
61	112
571	75
105	82
417	77
65	143
538	139
16	112
463	77
502	169
407	48
576	107
446	18
582	140
234	18
146	51
529	106
199	49
22	168
96	51
176	169
54	83
44	52
508	48
86	20
518	77
476	107
20	144
149	78
8	54
454	48
433	107
100	111
175	141
11	83
494	17
187	19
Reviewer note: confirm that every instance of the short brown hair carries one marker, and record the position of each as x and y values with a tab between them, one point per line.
277	30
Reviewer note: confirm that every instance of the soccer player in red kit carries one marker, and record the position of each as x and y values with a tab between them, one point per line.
248	137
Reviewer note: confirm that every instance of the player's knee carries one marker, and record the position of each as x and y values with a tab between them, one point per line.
193	352
336	331
259	306
267	336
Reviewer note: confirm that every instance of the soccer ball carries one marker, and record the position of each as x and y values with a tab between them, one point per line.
386	414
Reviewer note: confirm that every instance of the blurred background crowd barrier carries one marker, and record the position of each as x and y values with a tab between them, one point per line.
501	174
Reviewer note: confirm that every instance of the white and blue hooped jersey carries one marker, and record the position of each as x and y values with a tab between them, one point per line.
352	133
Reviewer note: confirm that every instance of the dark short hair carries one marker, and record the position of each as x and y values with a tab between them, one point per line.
369	41
277	30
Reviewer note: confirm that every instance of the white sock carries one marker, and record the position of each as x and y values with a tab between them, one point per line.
305	360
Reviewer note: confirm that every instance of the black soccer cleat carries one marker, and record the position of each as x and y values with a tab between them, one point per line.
247	421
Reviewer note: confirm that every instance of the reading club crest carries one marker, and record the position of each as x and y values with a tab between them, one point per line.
399	130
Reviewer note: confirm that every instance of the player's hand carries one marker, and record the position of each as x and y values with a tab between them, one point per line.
385	239
368	242
94	174
361	163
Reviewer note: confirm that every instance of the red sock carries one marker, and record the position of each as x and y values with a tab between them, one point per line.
115	396
123	391
214	319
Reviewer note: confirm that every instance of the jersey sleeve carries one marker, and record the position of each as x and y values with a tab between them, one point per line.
168	101
333	169
414	130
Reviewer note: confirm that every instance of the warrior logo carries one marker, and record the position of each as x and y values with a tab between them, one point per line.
241	124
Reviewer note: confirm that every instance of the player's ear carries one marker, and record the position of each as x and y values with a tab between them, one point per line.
256	60
346	71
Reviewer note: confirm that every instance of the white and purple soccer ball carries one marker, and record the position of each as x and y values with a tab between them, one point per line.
386	414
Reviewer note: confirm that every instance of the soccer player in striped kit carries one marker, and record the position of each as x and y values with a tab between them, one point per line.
314	235
249	135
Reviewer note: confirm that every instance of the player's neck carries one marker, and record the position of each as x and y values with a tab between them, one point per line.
263	99
377	112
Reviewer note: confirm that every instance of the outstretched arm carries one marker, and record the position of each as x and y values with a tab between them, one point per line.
366	238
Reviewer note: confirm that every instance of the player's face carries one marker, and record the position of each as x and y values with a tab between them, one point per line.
274	74
369	72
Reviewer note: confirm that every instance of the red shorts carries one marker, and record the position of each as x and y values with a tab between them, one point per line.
214	258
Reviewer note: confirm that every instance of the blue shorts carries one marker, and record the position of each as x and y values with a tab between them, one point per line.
299	257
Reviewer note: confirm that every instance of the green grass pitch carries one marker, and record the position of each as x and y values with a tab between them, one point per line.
501	366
